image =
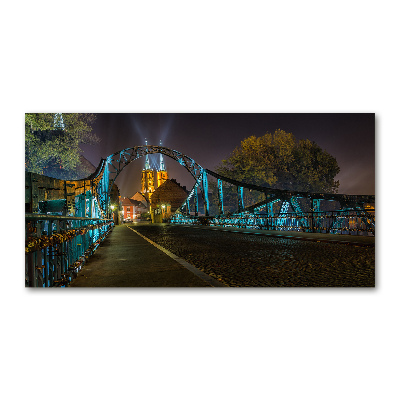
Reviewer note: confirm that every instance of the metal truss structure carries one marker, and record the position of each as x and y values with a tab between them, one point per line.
64	224
66	220
280	209
116	162
90	197
354	215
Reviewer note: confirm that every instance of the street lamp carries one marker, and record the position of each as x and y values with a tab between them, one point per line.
112	210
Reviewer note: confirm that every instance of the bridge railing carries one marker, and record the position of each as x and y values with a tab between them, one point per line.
56	247
355	222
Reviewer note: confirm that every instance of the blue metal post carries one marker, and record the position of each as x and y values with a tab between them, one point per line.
84	199
295	205
196	202
240	199
205	194
283	213
316	205
80	205
300	222
284	207
220	197
187	207
88	204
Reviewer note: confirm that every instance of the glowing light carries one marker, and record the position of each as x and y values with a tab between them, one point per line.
162	166
147	163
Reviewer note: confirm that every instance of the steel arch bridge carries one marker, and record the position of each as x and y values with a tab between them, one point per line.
67	220
280	209
112	166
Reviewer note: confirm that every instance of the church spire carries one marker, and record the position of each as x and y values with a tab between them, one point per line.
147	163
162	166
162	174
148	178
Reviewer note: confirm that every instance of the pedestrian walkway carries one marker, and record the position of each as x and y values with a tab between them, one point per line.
125	259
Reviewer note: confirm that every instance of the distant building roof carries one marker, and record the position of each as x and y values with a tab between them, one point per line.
126	201
170	192
139	197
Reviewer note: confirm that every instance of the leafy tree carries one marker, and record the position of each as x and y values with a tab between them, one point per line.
52	142
280	161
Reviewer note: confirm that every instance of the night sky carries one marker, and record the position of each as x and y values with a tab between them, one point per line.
209	138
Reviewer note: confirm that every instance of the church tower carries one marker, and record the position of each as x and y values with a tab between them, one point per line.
147	179
162	174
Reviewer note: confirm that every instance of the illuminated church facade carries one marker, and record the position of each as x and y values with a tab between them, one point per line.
153	178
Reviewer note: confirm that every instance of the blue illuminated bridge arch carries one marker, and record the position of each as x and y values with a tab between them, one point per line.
283	200
63	242
109	169
118	161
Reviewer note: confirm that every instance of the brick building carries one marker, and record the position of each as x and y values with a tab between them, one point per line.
132	209
166	199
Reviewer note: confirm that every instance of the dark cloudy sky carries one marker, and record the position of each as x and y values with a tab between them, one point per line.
209	138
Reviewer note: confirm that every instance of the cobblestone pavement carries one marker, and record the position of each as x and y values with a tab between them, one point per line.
238	259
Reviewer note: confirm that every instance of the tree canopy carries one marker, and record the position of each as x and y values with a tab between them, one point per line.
52	142
280	161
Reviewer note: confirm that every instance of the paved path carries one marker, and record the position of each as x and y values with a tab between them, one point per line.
125	259
316	237
244	258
